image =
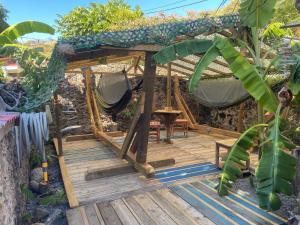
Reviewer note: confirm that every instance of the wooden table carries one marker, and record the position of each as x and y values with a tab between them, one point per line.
168	117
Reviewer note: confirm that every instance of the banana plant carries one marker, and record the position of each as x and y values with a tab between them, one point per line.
277	167
13	32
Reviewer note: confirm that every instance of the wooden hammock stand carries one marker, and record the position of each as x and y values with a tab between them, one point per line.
138	132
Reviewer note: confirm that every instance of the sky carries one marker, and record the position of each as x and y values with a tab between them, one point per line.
47	10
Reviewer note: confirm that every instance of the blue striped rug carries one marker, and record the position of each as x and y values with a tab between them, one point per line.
235	208
184	172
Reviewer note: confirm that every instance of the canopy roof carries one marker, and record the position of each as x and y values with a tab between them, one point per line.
107	47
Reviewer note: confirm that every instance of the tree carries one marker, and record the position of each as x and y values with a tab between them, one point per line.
277	168
97	18
286	12
3	18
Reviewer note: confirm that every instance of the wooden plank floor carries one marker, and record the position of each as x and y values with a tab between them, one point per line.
83	155
180	204
156	207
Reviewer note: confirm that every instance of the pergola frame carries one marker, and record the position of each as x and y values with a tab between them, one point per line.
138	132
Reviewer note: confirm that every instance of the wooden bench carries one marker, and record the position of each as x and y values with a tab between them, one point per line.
181	124
226	144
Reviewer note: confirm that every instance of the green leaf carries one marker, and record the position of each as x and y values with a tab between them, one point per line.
211	54
256	13
294	81
237	156
277	168
247	74
274	31
13	32
182	49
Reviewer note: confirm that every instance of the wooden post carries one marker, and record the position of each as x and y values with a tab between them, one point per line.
169	104
87	73
241	117
57	123
149	78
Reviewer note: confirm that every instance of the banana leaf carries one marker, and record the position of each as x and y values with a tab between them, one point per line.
13	32
277	168
237	156
294	81
247	74
256	13
211	54
182	49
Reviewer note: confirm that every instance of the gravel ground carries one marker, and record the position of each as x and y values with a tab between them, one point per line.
55	186
289	203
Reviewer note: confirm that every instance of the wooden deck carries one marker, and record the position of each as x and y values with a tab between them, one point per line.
157	207
81	156
180	204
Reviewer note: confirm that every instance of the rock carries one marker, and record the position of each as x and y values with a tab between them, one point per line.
38	224
36	174
53	217
40	213
34	186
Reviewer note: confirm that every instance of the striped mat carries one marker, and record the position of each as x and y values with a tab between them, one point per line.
236	208
184	172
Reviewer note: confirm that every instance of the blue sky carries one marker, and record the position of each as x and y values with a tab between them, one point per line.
47	10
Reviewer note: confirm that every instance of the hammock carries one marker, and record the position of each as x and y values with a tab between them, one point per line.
113	92
220	93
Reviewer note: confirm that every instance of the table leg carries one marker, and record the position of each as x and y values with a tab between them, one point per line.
217	155
168	138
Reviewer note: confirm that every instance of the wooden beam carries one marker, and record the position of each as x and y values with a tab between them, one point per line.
162	162
79	137
192	63
57	112
182	66
110	171
133	127
115	133
72	199
96	111
175	70
182	102
87	74
169	104
241	115
144	168
141	47
148	89
204	129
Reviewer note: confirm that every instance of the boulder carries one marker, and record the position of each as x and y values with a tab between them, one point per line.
40	213
34	186
36	174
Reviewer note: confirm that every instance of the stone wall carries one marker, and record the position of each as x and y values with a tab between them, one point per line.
227	118
12	177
